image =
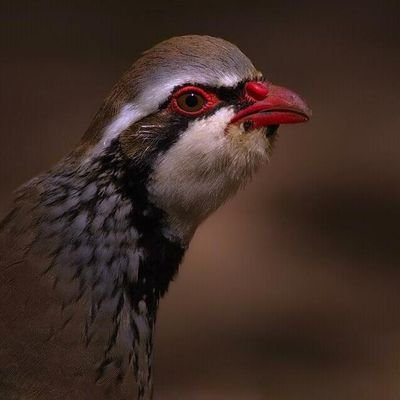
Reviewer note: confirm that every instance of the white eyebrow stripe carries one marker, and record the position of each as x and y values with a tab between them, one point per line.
128	115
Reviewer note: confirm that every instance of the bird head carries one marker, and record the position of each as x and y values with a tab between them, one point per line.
197	119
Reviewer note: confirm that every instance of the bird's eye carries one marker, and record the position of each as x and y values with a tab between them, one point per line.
190	102
193	101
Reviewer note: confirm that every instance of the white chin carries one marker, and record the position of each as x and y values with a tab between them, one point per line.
210	161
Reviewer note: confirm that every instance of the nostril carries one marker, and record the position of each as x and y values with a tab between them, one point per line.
256	90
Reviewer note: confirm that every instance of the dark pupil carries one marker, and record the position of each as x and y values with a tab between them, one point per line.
191	100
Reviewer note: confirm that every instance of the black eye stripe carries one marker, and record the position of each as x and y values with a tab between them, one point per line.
230	95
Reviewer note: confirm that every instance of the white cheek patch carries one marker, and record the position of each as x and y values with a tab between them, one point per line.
208	163
196	152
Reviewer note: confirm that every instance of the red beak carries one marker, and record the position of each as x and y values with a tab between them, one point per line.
274	105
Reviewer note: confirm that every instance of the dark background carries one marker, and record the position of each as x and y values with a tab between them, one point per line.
290	291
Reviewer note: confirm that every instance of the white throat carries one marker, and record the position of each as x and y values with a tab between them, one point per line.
211	160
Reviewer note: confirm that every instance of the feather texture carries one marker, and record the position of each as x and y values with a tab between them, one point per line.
90	246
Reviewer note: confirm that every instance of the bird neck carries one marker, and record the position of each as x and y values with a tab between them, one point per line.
101	239
95	219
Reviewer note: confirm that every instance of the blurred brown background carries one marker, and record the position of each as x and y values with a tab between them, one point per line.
290	291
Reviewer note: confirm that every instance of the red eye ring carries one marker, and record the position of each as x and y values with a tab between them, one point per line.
193	101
